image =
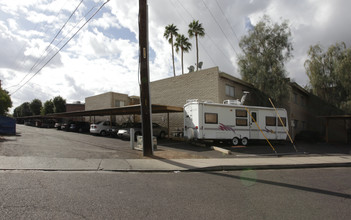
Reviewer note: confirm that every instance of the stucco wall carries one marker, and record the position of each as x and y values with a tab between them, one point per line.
99	101
75	107
175	91
106	100
226	79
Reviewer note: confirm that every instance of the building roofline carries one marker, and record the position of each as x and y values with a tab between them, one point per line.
107	93
235	79
297	86
185	74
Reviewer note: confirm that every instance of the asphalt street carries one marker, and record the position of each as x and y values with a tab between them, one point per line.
41	142
266	194
320	193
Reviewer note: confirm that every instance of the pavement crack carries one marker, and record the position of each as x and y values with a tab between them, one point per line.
130	166
99	166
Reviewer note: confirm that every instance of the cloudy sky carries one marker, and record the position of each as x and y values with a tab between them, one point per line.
103	56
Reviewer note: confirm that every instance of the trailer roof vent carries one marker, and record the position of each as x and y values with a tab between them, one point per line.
208	101
192	100
232	102
237	101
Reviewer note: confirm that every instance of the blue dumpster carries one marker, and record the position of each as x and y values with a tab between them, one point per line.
7	125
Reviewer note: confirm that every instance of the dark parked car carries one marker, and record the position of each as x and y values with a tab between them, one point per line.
47	124
65	126
80	126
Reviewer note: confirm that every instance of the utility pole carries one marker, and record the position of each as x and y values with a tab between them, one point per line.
144	78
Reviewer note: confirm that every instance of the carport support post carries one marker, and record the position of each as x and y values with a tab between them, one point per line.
327	130
169	137
144	78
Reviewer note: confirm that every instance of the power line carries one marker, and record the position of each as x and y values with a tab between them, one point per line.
23	59
213	42
63	26
228	21
62	46
86	14
200	41
220	27
57	45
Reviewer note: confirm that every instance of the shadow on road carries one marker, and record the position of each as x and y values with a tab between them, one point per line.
287	185
253	180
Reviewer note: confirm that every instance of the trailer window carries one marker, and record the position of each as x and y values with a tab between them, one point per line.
241	122
240	113
271	121
211	118
241	117
284	122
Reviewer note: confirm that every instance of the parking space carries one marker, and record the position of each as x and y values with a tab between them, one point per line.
49	142
44	142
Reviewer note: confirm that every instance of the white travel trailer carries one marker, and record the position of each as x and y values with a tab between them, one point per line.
231	120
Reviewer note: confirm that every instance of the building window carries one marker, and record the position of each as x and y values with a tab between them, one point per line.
303	101
229	90
295	98
296	122
271	121
119	103
211	118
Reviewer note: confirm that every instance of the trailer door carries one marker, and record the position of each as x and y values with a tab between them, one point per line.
254	131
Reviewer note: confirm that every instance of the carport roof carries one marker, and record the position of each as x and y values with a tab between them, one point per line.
336	117
126	110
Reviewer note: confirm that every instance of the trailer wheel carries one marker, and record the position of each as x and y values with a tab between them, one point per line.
244	141
235	141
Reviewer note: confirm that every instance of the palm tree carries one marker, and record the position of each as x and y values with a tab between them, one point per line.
196	29
183	44
170	32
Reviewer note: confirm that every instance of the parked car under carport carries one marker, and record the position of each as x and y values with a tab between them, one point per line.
79	126
157	130
102	127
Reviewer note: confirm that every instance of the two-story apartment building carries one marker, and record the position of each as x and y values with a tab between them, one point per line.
216	86
109	100
212	84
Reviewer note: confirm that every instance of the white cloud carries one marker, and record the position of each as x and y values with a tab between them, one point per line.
104	55
106	21
36	17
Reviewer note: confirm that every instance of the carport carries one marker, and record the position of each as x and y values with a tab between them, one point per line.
126	110
345	132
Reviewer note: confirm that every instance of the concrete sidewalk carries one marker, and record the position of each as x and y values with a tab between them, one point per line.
169	165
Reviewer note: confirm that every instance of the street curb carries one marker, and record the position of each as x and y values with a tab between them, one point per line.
270	167
204	169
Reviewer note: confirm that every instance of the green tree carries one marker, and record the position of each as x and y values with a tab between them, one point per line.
196	29
171	31
35	107
5	102
329	74
25	109
59	104
48	108
17	112
266	49
183	44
